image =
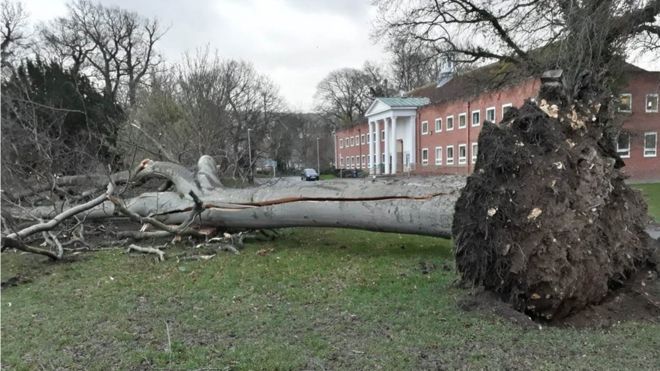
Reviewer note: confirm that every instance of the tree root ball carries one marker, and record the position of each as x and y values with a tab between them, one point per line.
546	220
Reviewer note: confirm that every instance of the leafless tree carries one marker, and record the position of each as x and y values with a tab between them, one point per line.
211	103
13	29
413	63
345	94
114	43
588	39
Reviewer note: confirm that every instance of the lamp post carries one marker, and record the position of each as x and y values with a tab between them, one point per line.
250	155
318	158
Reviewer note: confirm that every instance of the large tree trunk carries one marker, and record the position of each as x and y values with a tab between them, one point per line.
413	205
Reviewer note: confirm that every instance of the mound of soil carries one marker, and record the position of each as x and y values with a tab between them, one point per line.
546	221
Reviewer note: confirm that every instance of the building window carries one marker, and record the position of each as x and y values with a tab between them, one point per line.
462	120
364	160
382	158
462	154
352	141
450	123
368	161
490	114
650	144
374	160
623	145
476	118
438	125
450	155
357	140
368	138
382	135
425	156
341	143
438	155
475	148
373	137
363	138
652	103
341	162
625	102
425	127
506	108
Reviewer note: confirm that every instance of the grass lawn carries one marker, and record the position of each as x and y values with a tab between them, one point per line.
651	192
322	299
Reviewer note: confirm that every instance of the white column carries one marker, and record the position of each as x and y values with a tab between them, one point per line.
377	163
387	145
412	141
393	145
372	149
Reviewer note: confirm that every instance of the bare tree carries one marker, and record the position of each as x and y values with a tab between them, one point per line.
588	40
14	21
115	44
413	63
345	94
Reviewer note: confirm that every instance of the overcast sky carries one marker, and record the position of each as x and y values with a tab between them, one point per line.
295	42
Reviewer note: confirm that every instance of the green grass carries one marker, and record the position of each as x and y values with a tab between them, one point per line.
651	192
322	299
327	176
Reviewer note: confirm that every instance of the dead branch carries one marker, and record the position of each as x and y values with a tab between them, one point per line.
147	250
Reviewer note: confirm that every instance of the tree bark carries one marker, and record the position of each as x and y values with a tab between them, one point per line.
413	205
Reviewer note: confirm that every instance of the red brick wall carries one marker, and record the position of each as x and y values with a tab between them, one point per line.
515	95
637	123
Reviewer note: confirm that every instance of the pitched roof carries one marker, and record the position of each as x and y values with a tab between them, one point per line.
405	101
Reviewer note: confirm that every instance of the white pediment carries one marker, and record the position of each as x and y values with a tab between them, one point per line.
376	107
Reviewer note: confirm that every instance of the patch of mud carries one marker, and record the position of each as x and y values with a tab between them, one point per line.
638	299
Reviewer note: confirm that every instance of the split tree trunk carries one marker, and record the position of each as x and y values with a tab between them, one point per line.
414	205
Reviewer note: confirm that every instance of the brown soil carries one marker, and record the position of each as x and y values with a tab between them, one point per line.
546	221
637	300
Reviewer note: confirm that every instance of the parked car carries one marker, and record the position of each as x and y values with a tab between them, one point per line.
309	174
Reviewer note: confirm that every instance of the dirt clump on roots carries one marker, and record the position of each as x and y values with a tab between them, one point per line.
546	221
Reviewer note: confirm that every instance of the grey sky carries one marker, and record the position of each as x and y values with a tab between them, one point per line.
295	42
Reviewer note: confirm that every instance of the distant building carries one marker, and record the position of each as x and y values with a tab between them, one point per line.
434	129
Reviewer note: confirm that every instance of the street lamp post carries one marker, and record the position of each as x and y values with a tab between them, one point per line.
250	155
318	159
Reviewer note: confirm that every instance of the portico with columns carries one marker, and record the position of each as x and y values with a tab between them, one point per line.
391	123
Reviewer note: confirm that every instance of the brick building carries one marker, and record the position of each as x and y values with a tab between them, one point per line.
434	129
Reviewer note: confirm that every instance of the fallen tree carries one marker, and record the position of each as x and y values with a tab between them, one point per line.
198	200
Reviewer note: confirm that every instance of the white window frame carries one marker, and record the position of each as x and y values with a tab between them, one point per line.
425	127
438	128
449	118
373	136
462	160
368	138
449	160
474	150
657	103
363	140
341	143
494	113
352	141
364	160
425	161
623	152
478	112
341	161
382	158
508	105
382	135
357	140
438	159
464	116
652	152
630	100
